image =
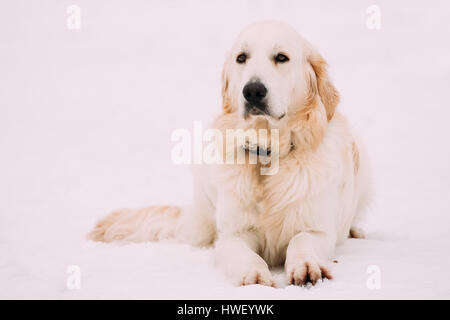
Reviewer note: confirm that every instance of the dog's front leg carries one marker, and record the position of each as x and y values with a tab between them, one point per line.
237	257
237	243
307	258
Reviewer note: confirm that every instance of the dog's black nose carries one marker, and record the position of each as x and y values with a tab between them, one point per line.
254	93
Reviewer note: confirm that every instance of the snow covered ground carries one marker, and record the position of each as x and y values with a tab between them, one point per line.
86	117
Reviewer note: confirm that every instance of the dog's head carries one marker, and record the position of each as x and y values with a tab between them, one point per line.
272	72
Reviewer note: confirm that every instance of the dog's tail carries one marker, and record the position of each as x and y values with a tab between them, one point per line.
147	224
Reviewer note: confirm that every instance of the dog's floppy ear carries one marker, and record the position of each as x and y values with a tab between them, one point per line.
227	102
319	83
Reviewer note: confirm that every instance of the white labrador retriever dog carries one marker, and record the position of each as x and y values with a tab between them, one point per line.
318	187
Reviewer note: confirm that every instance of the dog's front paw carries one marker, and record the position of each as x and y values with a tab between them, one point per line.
304	271
257	276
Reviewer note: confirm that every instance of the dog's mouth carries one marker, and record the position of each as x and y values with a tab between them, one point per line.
260	111
256	110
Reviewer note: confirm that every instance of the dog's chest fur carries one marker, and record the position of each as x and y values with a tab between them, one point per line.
279	206
312	191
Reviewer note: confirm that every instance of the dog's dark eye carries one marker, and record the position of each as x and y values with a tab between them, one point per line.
241	58
281	58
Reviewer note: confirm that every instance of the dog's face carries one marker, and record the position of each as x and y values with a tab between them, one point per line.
265	67
274	73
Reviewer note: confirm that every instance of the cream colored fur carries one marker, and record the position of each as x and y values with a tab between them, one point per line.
295	217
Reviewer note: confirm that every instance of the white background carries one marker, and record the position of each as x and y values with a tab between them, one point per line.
86	117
